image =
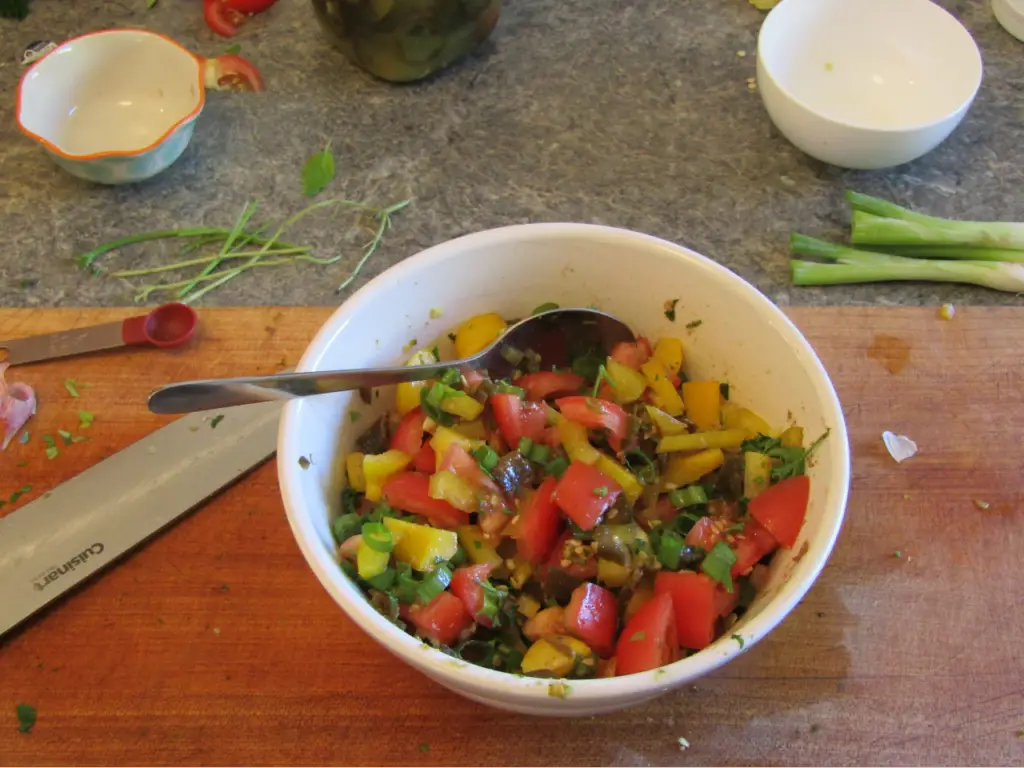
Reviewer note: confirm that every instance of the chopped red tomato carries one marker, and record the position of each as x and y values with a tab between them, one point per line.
705	533
539	524
750	546
466	585
552	437
222	18
473	380
250	7
595	413
695	603
649	639
457	459
562	558
633	354
585	493
425	460
518	418
442	620
232	73
593	616
540	386
725	603
408	437
409	492
781	508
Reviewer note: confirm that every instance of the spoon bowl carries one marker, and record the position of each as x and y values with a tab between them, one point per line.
557	335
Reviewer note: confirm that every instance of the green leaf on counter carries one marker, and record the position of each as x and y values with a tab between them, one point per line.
318	172
26	717
233	50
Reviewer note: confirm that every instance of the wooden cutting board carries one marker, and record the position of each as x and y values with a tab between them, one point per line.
215	644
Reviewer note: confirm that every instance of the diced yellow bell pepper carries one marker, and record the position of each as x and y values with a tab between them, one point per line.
703	402
354	471
421	546
555	656
666	424
637	600
463	406
792	437
684	470
629	384
444	438
521	571
737	417
407	394
658	378
527	606
575	442
696	441
670	352
370	562
630	485
475	430
477	547
377	468
757	473
449	487
611	574
478	333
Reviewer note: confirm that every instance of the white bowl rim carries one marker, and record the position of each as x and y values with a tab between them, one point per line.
22	82
525	689
909	127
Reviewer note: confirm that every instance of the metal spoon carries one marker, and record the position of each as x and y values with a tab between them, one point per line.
558	336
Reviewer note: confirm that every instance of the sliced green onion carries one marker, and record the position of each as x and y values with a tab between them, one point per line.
539	453
690	496
545	307
670	550
485	456
434	584
493	598
648	473
602	375
557	466
512	355
718	563
451	377
349	500
377	537
503	387
405	583
346	526
383	581
525	445
379	512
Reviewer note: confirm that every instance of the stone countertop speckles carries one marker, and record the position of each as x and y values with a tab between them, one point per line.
608	111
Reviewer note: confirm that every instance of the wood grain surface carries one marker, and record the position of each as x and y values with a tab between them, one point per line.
215	644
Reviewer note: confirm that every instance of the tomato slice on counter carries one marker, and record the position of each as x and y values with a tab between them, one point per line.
545	384
649	639
249	7
442	620
585	493
410	492
781	508
222	18
408	437
595	413
539	524
233	73
593	616
518	419
695	604
467	586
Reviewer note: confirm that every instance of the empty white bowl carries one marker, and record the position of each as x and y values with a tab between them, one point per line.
866	84
743	339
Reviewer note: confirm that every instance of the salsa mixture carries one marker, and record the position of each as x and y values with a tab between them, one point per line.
600	520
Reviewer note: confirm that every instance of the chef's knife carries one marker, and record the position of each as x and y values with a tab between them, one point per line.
83	525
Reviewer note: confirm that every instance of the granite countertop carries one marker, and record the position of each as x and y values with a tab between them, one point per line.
610	111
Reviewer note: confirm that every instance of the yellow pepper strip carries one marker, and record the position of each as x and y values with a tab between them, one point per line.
611	574
629	386
666	424
407	394
453	489
555	656
696	441
478	333
377	468
370	562
463	406
735	417
630	485
575	442
658	378
683	470
670	352
521	571
703	401
474	430
792	437
444	438
757	473
477	547
421	546
354	470
527	606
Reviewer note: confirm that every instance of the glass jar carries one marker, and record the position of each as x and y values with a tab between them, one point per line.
405	40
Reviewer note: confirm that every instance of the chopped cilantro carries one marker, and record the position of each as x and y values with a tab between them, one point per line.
216	420
73	386
224	588
898	554
790	462
693	324
638	636
85	419
739	639
601	491
304	462
65	436
436	353
451	337
19	493
424	747
353	416
22	464
26	717
51	447
670	309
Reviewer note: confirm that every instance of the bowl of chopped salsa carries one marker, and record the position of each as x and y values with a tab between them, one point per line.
578	539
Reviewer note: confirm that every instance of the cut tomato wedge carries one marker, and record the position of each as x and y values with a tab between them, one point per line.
222	18
425	460
457	459
593	616
249	7
232	73
410	492
705	533
408	437
545	384
649	639
695	603
518	419
633	354
585	493
781	508
595	413
442	620
750	546
467	586
539	524
562	560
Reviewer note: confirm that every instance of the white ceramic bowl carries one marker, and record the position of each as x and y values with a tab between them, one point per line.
866	84
743	339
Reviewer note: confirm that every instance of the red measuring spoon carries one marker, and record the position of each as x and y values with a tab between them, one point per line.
169	325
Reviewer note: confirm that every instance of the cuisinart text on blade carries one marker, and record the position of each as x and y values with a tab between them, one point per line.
59	540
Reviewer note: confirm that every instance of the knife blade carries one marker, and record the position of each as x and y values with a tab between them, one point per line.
83	525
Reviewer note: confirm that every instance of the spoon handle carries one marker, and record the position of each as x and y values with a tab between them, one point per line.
190	396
